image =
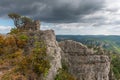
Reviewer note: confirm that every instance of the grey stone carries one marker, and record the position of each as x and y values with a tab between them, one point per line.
83	62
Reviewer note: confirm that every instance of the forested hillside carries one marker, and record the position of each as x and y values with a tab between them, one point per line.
111	43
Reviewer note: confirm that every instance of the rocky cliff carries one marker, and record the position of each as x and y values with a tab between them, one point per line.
84	63
34	51
53	49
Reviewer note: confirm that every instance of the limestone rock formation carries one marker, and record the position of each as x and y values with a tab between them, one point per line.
53	49
83	62
53	52
32	26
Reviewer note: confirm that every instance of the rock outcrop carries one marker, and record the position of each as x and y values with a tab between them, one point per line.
83	62
53	52
53	49
33	26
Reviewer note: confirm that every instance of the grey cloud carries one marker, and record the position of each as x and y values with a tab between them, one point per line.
56	11
103	23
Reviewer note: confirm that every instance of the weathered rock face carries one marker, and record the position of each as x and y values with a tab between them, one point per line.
48	39
53	49
83	62
31	26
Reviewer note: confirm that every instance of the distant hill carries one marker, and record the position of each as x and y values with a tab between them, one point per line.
111	43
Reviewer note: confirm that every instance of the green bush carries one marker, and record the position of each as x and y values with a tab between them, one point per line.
25	67
64	75
14	31
23	37
22	40
40	63
37	62
116	65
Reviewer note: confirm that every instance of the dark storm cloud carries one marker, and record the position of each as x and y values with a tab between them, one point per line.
58	11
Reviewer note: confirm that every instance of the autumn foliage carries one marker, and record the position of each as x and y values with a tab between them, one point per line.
21	66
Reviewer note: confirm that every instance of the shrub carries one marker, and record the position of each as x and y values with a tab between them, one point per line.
64	75
23	67
23	37
7	44
13	76
40	61
10	41
1	40
116	65
14	31
36	61
22	40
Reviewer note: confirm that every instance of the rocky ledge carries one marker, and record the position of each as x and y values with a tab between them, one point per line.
83	62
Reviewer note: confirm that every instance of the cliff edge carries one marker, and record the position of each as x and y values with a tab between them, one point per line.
83	62
52	49
30	53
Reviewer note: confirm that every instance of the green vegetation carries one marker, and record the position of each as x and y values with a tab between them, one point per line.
19	20
116	65
21	59
63	74
26	20
32	66
22	40
16	18
14	31
23	37
36	62
111	43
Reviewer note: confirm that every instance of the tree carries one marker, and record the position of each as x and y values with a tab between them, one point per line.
26	20
19	20
16	18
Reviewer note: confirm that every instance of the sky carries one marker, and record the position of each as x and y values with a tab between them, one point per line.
66	17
